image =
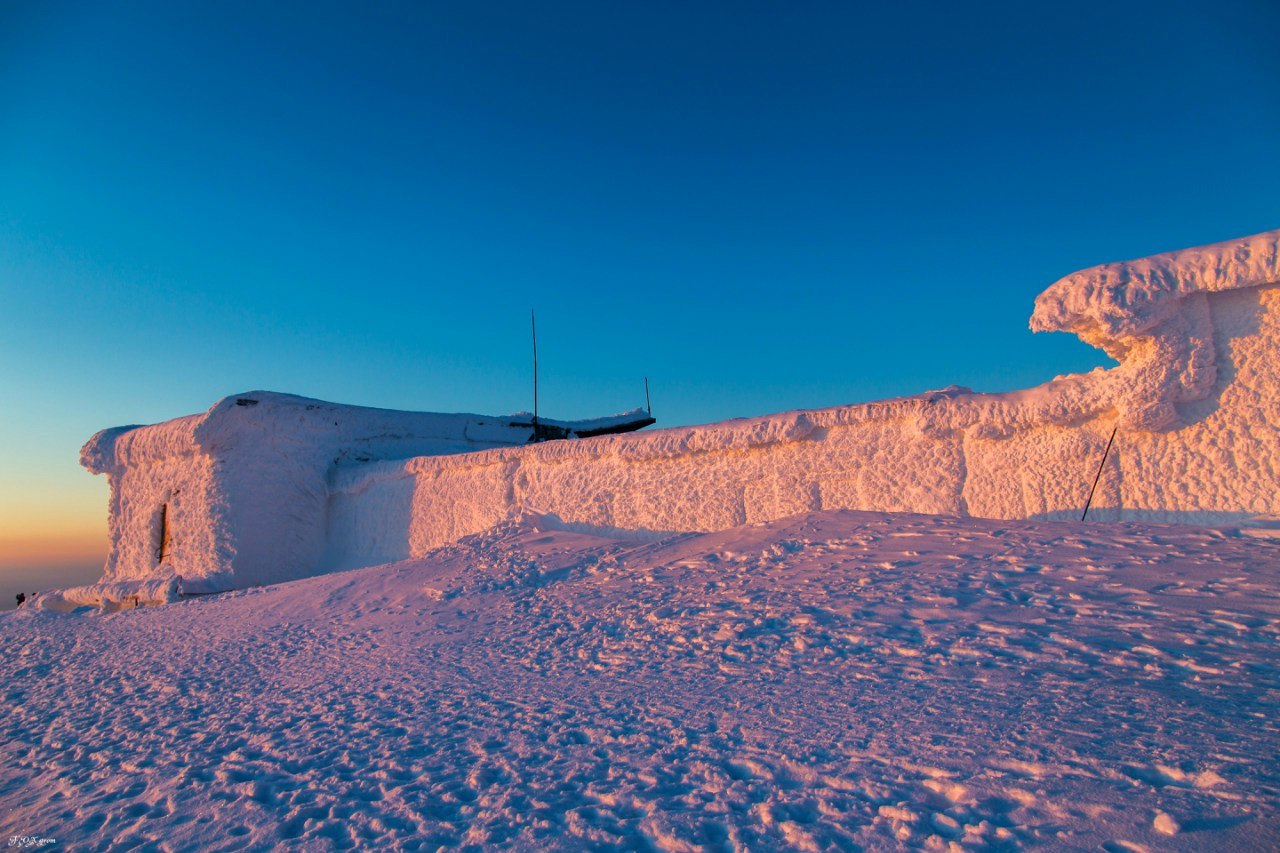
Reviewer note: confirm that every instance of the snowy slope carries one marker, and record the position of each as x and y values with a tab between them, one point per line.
832	679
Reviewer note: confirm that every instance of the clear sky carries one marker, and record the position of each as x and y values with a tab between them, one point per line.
760	206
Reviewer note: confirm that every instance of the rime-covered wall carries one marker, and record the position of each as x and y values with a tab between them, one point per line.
243	489
700	478
1221	463
162	468
1225	463
268	487
1196	399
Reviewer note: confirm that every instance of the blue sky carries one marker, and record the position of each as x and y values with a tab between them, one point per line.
759	206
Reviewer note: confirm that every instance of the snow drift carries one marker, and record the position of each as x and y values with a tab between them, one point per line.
279	487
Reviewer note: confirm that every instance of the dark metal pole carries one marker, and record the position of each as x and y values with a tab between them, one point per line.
1098	475
648	408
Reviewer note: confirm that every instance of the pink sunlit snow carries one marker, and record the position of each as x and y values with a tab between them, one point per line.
829	680
868	626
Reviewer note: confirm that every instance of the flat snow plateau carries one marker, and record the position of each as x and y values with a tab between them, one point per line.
838	679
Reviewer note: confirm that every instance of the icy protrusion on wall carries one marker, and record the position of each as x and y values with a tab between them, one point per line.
1126	298
1152	315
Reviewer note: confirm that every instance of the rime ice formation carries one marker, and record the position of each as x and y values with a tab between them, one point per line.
1196	398
1154	316
239	495
260	494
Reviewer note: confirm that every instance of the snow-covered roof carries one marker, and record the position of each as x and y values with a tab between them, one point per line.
1128	297
286	419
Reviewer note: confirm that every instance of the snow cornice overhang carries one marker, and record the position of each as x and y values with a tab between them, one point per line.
1123	299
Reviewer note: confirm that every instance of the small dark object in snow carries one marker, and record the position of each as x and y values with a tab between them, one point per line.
22	597
245	401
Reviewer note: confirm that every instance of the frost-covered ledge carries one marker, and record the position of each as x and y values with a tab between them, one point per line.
1152	316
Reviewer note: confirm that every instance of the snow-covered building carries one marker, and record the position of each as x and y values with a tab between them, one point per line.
240	495
266	487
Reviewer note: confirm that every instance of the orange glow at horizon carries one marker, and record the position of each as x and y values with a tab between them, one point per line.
41	549
41	526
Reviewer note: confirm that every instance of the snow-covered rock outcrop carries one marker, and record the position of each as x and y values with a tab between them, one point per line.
268	487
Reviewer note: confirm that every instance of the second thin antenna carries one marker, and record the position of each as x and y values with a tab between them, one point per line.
533	319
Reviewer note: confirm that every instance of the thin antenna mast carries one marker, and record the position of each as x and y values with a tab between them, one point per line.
647	407
533	318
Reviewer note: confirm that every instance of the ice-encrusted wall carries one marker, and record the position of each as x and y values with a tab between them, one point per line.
268	487
160	481
1219	463
1196	400
239	495
702	478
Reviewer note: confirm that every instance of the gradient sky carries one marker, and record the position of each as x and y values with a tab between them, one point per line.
760	206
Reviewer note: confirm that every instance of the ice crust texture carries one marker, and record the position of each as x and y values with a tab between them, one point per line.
838	680
288	487
242	491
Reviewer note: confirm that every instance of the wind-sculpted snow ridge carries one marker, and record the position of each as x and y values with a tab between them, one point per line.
828	681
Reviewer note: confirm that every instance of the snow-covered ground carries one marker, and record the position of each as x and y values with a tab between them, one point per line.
828	680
